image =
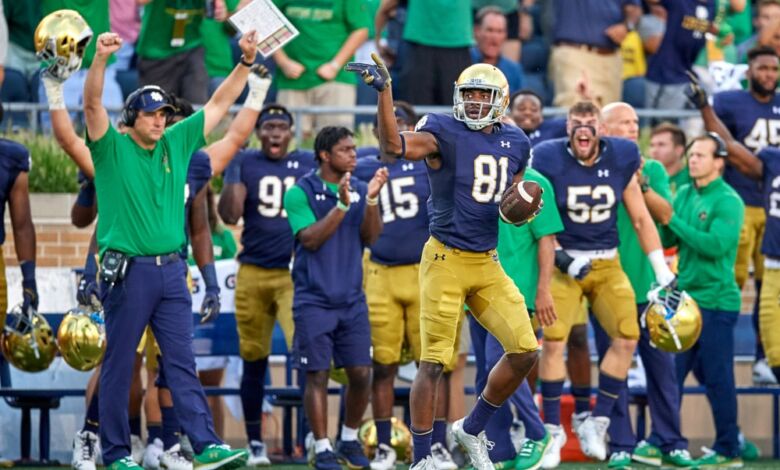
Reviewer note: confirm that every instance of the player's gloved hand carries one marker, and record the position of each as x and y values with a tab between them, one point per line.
579	267
664	276
695	93
88	292
259	82
209	308
29	286
375	76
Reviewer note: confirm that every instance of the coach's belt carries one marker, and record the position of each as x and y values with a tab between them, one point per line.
771	263
595	49
158	260
593	254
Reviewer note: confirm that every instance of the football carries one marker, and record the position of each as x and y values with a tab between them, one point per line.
520	202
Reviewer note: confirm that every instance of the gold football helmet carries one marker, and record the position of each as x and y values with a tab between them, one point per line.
28	341
81	338
400	438
673	320
60	41
481	77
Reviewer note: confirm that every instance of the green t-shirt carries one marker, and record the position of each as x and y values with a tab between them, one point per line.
299	212
705	227
94	12
170	27
741	23
22	18
439	23
634	261
323	27
224	246
679	179
141	192
216	41
518	246
373	7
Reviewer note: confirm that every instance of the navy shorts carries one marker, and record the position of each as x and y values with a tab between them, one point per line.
340	334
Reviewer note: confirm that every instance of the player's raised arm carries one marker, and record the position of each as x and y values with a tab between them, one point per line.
407	145
227	93
66	136
371	227
94	112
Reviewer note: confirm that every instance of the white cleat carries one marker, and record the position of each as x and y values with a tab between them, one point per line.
152	454
174	459
552	458
258	455
593	437
762	373
442	458
137	448
577	419
476	446
308	444
384	458
86	447
424	464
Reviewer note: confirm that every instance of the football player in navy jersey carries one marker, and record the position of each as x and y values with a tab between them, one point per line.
525	108
591	175
255	183
406	118
471	159
753	117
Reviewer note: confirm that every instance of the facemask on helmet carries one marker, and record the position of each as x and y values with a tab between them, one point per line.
481	77
61	39
673	320
28	340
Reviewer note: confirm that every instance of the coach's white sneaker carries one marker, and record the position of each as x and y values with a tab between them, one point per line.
174	459
424	464
137	448
384	458
86	447
577	419
442	458
258	455
517	434
552	458
152	454
476	446
762	373
593	437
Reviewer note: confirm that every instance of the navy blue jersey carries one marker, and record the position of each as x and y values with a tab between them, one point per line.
331	276
14	159
267	240
475	170
547	130
771	158
363	152
588	196
687	23
198	176
756	125
402	202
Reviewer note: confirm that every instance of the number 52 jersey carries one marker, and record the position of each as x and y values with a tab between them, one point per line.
267	240
588	196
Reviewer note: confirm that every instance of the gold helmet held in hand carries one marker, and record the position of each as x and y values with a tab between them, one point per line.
673	320
400	439
28	340
60	41
81	338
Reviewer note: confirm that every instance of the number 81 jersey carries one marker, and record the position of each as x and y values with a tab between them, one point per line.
588	196
476	168
267	240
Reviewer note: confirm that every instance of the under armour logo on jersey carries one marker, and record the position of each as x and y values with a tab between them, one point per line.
603	173
407	166
505	144
776	109
304	360
437	257
292	164
319	197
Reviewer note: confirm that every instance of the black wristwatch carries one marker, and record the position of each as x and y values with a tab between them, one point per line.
644	186
244	61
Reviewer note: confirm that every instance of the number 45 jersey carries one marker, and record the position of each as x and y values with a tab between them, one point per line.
476	168
403	205
267	240
588	196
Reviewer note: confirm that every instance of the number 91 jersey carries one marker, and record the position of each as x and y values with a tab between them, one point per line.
476	168
267	240
588	196
402	202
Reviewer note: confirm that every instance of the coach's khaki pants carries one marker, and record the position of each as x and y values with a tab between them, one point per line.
327	94
604	74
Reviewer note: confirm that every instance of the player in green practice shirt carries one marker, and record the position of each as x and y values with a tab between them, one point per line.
665	443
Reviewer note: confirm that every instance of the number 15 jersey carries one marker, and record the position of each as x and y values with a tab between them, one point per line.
475	170
588	196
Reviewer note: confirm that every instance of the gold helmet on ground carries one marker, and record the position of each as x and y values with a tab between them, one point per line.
60	41
481	77
673	320
28	340
81	338
400	438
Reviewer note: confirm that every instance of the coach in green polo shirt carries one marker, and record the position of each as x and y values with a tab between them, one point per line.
140	179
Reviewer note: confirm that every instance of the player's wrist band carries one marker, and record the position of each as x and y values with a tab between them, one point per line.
335	64
562	260
342	207
402	155
245	62
372	201
28	270
209	273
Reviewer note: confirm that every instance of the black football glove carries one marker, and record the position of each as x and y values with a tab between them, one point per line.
375	76
695	93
